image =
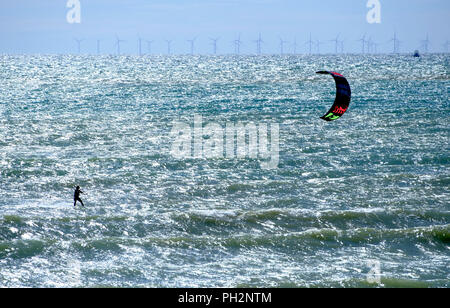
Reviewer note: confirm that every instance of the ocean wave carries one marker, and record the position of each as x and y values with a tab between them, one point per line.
385	282
19	249
297	219
437	236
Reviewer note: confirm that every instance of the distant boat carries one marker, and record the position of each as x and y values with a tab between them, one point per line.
416	54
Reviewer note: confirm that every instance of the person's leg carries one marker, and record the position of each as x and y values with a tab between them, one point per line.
75	202
81	202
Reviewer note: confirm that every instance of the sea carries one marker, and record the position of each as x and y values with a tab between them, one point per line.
363	201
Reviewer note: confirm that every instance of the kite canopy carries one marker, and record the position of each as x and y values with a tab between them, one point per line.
343	97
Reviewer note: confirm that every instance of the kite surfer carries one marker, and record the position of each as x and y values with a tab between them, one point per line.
76	196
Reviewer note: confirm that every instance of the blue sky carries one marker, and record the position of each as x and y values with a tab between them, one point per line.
40	26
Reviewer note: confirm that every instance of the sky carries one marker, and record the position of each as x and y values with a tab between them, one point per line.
42	27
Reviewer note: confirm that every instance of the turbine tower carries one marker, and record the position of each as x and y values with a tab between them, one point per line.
363	41
295	45
169	46
192	42
79	44
282	42
214	43
425	44
118	41
374	47
98	47
341	45
396	43
139	46
318	43
310	43
336	43
369	45
259	42
237	45
149	46
446	46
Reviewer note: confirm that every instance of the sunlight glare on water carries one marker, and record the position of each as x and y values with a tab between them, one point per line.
373	185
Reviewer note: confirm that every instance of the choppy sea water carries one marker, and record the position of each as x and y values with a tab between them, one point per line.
370	188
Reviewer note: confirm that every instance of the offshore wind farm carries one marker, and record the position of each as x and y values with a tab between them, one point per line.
316	46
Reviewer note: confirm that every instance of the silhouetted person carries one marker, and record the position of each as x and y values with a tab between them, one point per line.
76	196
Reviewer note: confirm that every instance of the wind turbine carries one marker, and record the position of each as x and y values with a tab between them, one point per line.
310	43
79	44
282	42
425	44
375	47
139	46
318	43
369	45
294	45
169	45
214	43
341	45
446	46
259	42
98	47
364	41
372	46
396	43
336	43
192	42
118	41
237	45
149	46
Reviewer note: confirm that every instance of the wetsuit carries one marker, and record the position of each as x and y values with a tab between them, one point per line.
76	197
